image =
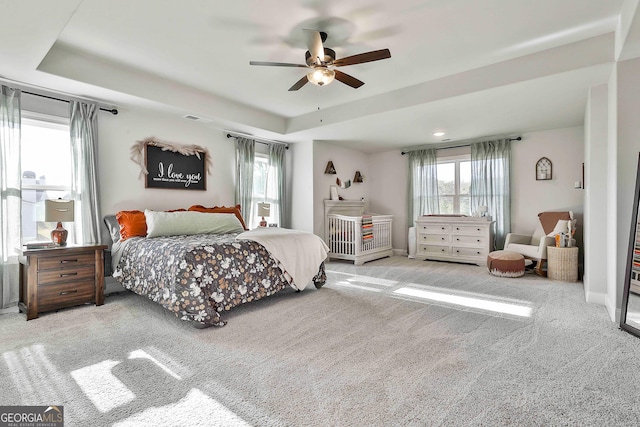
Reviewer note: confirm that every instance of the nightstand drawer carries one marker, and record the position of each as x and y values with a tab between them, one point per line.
85	272
65	295
64	261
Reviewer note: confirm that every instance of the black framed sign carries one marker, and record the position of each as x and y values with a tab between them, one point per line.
171	169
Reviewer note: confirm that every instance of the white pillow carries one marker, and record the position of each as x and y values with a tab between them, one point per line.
190	222
561	227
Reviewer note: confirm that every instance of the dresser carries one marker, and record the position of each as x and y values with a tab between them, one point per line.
53	278
454	238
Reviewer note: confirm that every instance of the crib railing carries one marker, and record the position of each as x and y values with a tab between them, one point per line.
344	237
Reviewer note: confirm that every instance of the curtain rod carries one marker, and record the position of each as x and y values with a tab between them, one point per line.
258	140
460	144
112	110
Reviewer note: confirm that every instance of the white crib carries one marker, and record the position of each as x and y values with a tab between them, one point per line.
343	232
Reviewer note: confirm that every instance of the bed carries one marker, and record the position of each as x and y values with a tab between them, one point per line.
199	276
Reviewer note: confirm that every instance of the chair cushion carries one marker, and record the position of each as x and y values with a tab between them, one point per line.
505	264
529	251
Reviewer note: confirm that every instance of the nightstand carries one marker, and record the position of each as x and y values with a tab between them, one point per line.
60	277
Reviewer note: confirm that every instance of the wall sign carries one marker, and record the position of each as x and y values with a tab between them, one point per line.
168	165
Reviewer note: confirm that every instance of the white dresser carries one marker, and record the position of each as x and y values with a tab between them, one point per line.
453	238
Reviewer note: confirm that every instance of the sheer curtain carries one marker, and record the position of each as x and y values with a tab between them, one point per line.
84	170
423	184
245	155
10	196
277	174
490	169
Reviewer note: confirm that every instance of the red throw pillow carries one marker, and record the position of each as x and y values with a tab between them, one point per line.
221	209
132	224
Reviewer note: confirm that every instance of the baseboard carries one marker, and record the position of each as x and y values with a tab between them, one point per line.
400	252
596	298
614	313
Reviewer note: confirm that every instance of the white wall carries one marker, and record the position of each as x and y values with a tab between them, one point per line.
595	212
565	149
122	187
388	187
627	93
302	192
346	162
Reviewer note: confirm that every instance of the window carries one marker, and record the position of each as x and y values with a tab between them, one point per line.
46	171
454	185
265	189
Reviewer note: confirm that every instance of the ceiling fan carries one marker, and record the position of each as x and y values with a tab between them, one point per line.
322	62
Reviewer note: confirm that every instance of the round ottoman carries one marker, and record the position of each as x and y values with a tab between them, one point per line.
505	264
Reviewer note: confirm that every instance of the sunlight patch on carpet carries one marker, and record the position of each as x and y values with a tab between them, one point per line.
101	387
478	303
196	409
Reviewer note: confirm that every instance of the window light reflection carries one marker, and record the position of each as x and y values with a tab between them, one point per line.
482	304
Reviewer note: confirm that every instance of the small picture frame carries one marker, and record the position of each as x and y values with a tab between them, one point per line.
544	169
334	193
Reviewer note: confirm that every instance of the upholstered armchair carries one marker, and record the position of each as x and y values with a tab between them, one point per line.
534	246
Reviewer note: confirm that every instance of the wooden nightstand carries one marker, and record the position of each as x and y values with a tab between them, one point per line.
61	277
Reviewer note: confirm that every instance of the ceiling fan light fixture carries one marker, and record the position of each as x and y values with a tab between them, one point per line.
321	76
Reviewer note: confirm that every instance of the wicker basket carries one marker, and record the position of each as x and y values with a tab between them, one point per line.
562	264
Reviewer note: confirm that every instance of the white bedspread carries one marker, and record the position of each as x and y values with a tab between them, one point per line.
300	253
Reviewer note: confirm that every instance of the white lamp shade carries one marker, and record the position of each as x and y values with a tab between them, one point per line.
264	209
58	210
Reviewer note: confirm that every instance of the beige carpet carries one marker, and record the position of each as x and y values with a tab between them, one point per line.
393	342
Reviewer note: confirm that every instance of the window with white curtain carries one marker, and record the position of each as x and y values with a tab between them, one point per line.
454	184
46	170
265	189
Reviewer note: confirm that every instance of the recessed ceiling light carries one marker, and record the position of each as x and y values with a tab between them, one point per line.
439	133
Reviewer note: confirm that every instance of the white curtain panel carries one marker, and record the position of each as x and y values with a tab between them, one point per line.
10	196
84	176
490	170
423	184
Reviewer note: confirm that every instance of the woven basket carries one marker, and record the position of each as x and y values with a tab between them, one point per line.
562	264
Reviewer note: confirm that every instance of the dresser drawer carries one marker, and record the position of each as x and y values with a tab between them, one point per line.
434	250
76	273
469	252
434	238
468	229
478	241
64	261
65	295
434	229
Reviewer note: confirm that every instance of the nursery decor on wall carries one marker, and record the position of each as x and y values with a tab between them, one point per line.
330	169
358	177
169	165
543	169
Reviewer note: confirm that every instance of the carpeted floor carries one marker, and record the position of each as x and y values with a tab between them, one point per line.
395	342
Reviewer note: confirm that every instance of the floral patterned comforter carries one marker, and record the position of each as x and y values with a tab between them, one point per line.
198	277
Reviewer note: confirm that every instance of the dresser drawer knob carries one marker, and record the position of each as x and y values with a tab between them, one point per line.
65	261
69	292
69	274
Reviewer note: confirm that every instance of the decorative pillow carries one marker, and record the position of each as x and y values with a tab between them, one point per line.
132	224
114	228
221	209
187	223
561	227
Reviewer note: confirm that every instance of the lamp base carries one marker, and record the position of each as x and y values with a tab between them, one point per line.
263	223
59	235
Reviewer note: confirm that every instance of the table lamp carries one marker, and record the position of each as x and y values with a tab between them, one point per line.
59	211
264	209
482	210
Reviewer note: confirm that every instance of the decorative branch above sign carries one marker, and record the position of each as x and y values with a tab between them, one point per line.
167	165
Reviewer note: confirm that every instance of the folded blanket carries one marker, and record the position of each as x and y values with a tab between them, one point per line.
367	229
300	253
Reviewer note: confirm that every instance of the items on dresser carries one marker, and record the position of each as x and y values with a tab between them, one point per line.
58	277
454	238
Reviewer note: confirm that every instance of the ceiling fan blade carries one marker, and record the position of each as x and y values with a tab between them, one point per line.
374	55
277	64
314	43
303	81
348	80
